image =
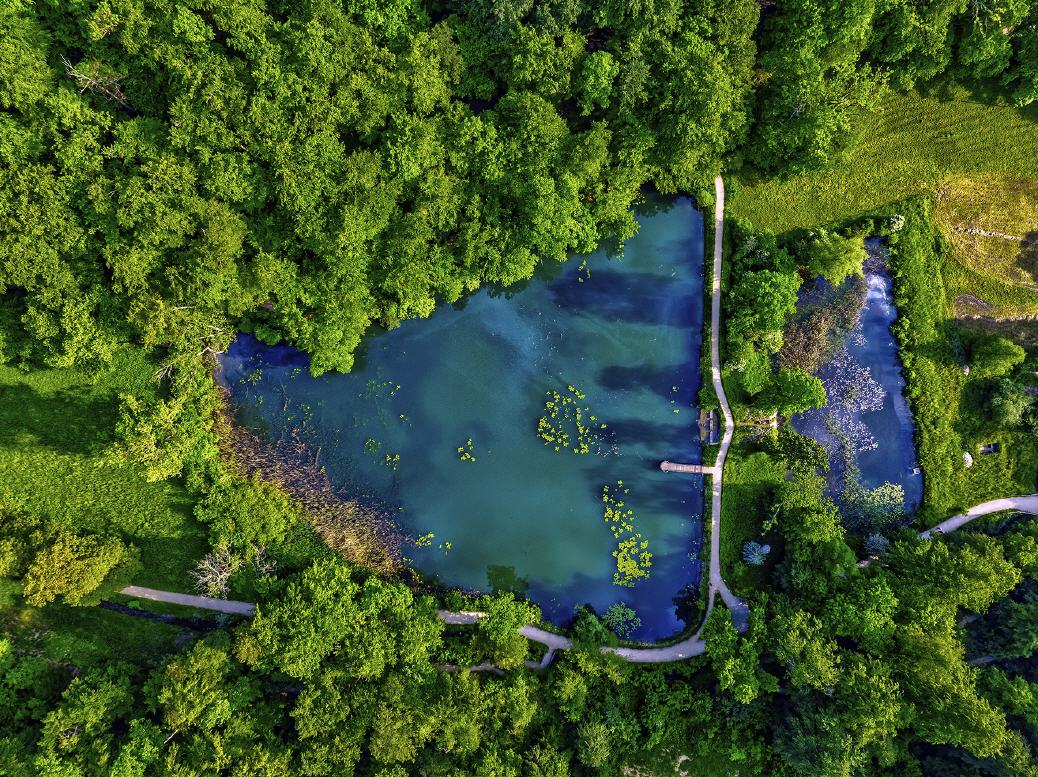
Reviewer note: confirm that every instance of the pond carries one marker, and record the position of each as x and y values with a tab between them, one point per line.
867	407
508	511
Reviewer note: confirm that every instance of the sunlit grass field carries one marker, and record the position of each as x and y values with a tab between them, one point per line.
908	146
990	223
56	427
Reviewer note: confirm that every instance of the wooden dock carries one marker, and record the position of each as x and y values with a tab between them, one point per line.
689	469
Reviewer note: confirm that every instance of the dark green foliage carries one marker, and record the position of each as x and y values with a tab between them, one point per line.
994	357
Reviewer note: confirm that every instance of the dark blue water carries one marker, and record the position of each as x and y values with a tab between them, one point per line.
884	441
625	332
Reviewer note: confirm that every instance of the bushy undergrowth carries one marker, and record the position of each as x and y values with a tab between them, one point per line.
946	403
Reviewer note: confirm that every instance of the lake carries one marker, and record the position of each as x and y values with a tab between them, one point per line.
508	511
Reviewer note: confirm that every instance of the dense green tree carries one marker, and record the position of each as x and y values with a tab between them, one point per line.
995	356
835	257
793	391
79	569
1009	402
367	626
736	659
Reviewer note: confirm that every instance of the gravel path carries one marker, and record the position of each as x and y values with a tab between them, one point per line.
1024	504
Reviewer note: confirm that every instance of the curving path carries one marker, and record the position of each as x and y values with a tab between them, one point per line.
687	648
740	612
1023	504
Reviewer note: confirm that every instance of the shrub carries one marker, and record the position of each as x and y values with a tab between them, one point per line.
754	554
79	570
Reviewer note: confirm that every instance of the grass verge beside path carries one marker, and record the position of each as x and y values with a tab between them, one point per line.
906	147
85	637
55	426
750	480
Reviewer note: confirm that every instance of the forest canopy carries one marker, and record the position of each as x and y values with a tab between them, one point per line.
173	171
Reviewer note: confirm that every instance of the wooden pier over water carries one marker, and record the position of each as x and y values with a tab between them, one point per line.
689	469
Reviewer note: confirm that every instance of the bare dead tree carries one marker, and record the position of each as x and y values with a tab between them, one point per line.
164	372
215	571
264	565
93	80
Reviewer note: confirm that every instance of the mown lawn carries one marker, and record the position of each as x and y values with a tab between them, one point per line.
906	147
56	427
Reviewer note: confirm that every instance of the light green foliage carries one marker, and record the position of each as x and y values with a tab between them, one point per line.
498	633
793	391
736	660
597	74
78	570
323	611
246	513
810	659
994	357
874	509
834	256
593	744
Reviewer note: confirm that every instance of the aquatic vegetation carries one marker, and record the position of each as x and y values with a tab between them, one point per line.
632	555
371	445
567	424
377	389
392	460
851	390
621	620
465	451
446	546
253	377
583	272
424	541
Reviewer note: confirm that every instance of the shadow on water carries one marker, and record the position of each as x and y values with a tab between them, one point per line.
504	579
669	438
624	296
660	380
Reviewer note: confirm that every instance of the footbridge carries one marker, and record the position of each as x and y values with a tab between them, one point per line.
688	469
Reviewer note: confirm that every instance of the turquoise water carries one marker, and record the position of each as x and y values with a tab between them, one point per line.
625	332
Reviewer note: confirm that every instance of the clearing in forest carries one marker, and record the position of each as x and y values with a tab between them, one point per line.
991	223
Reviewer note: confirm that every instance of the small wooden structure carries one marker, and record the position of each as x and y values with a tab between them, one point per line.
691	469
709	427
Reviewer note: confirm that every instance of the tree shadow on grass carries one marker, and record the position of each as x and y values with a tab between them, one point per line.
64	421
1027	259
